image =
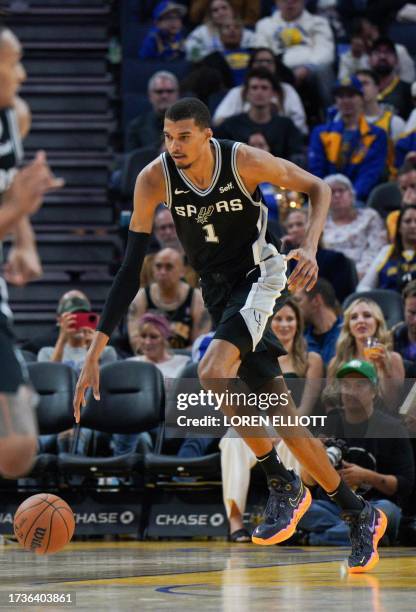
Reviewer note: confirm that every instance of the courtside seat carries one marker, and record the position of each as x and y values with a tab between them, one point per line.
132	401
54	383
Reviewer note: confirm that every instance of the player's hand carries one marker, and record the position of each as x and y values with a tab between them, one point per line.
89	377
30	185
22	266
305	274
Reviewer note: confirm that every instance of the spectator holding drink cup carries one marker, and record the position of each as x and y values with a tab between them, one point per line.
364	335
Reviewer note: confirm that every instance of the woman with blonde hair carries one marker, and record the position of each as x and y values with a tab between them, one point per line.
364	335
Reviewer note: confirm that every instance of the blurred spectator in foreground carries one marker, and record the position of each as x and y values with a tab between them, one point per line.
350	144
74	340
333	265
321	312
393	91
381	468
166	40
181	304
287	100
395	265
248	10
404	334
145	130
305	41
357	232
205	38
364	320
283	137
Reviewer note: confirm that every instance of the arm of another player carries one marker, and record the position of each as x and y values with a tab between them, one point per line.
256	166
148	194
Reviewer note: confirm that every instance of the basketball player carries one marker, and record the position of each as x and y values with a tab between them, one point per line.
211	188
21	194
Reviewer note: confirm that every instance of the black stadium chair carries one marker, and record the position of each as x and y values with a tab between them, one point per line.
389	301
54	383
385	198
132	401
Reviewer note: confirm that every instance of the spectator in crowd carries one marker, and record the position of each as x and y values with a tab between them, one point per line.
390	479
379	114
166	39
355	59
406	181
299	363
363	319
236	41
145	130
287	100
73	342
153	335
205	38
370	32
237	459
395	265
357	232
182	305
350	144
411	122
405	148
393	91
404	334
165	233
321	312
333	265
249	10
305	41
282	135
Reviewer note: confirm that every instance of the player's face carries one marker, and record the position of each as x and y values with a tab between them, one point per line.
410	314
296	227
363	323
12	73
185	141
284	324
408	226
151	342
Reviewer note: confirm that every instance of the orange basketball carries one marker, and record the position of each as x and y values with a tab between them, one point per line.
44	523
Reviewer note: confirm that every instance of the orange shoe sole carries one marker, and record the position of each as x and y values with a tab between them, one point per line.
374	559
285	534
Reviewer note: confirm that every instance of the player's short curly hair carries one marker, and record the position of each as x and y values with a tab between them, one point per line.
190	108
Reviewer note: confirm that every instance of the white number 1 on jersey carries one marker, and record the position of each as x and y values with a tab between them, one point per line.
211	236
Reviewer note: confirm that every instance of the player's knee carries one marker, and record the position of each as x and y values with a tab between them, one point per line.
211	369
17	454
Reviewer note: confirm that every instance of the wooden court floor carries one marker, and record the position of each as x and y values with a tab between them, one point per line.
208	576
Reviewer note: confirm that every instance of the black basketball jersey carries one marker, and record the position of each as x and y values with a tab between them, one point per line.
11	153
222	228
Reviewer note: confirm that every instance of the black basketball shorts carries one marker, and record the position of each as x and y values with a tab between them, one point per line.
242	310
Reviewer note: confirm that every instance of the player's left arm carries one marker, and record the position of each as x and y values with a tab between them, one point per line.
256	166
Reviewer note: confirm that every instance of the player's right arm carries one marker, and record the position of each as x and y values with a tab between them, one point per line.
148	194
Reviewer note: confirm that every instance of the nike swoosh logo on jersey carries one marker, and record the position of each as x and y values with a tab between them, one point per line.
179	191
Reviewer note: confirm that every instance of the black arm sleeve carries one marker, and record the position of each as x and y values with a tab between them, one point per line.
126	282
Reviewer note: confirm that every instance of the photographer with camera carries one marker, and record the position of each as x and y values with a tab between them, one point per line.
395	265
371	452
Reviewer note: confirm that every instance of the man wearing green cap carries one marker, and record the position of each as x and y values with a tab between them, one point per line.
383	438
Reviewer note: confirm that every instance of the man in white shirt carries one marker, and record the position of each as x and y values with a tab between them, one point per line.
305	42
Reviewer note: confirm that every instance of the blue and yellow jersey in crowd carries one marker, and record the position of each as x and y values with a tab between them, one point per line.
360	154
